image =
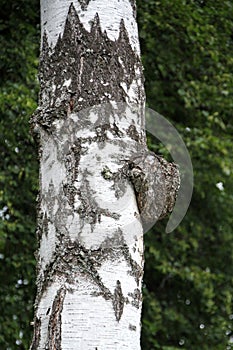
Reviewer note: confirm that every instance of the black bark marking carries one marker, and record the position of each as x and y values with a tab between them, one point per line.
71	259
84	4
101	132
37	334
107	173
133	133
134	7
114	247
136	298
132	327
118	301
39	227
45	225
55	322
72	160
135	269
95	66
44	218
119	179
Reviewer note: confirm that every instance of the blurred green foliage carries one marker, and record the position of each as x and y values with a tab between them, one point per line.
187	51
19	43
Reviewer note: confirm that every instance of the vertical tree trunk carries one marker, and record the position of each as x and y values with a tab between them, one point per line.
96	177
90	256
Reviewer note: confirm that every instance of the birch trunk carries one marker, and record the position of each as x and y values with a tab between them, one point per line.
90	256
98	182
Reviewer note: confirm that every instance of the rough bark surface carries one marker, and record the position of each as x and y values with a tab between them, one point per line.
85	69
95	178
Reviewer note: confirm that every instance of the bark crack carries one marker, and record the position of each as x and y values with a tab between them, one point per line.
55	322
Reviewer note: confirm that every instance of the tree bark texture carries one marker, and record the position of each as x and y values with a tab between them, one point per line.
90	130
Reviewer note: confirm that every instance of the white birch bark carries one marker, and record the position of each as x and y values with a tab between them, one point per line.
90	256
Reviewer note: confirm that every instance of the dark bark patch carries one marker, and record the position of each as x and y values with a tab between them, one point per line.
133	133
39	228
45	225
132	327
72	160
106	173
135	269
50	198
136	298
134	7
101	133
84	4
55	322
119	179
95	66
118	301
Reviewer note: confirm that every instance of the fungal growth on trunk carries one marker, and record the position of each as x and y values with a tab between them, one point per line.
99	184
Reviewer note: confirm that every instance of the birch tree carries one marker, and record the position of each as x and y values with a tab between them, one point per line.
99	185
